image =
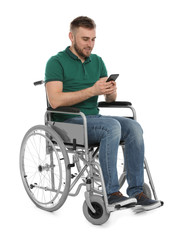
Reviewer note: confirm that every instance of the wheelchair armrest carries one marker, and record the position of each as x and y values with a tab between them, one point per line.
118	104
114	104
64	109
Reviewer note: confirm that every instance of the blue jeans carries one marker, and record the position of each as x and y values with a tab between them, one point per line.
108	131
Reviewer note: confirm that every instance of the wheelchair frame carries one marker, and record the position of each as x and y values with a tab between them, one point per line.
95	199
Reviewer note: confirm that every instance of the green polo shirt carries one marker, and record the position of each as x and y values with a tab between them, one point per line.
75	75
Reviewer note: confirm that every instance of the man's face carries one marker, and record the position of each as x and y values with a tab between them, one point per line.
83	41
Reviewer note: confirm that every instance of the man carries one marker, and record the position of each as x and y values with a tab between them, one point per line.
75	77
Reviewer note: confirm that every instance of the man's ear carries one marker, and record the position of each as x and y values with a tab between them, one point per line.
71	36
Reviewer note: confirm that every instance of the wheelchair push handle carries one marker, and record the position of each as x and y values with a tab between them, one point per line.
39	82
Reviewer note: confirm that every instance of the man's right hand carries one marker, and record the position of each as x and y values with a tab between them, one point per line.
101	87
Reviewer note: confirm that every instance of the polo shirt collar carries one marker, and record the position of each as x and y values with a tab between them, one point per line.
72	55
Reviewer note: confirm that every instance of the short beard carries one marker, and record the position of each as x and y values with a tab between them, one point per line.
79	51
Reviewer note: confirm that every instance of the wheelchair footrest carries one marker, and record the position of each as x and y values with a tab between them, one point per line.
121	205
118	206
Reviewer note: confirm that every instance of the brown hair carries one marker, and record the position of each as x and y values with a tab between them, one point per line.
82	21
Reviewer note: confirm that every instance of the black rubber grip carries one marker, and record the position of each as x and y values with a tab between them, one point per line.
114	104
38	82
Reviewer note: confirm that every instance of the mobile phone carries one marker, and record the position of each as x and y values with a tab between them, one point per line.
112	77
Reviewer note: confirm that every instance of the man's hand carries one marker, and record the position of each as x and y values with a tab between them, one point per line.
112	96
101	87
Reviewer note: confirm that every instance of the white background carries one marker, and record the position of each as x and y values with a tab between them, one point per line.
143	41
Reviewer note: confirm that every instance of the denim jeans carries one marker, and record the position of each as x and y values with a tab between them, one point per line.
108	131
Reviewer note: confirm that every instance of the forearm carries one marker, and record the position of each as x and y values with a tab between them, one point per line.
70	98
111	97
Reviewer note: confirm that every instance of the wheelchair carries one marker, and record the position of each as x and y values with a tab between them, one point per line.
56	162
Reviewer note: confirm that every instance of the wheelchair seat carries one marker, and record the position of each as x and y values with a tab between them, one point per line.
71	134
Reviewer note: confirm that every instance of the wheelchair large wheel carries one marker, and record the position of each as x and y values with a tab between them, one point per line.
101	215
44	168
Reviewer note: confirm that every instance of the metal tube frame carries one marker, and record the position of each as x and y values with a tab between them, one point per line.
90	162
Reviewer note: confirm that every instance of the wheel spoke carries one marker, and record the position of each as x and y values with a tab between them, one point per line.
42	172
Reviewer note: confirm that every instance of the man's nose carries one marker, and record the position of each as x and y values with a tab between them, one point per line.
90	43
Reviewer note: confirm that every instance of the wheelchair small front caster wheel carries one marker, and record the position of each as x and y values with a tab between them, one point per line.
101	215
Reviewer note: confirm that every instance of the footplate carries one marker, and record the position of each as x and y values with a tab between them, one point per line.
122	205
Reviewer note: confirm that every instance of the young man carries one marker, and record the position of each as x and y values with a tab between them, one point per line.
75	77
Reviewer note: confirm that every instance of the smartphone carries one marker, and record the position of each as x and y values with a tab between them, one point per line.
112	77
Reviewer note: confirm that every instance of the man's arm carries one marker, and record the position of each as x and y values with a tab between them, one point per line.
57	97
